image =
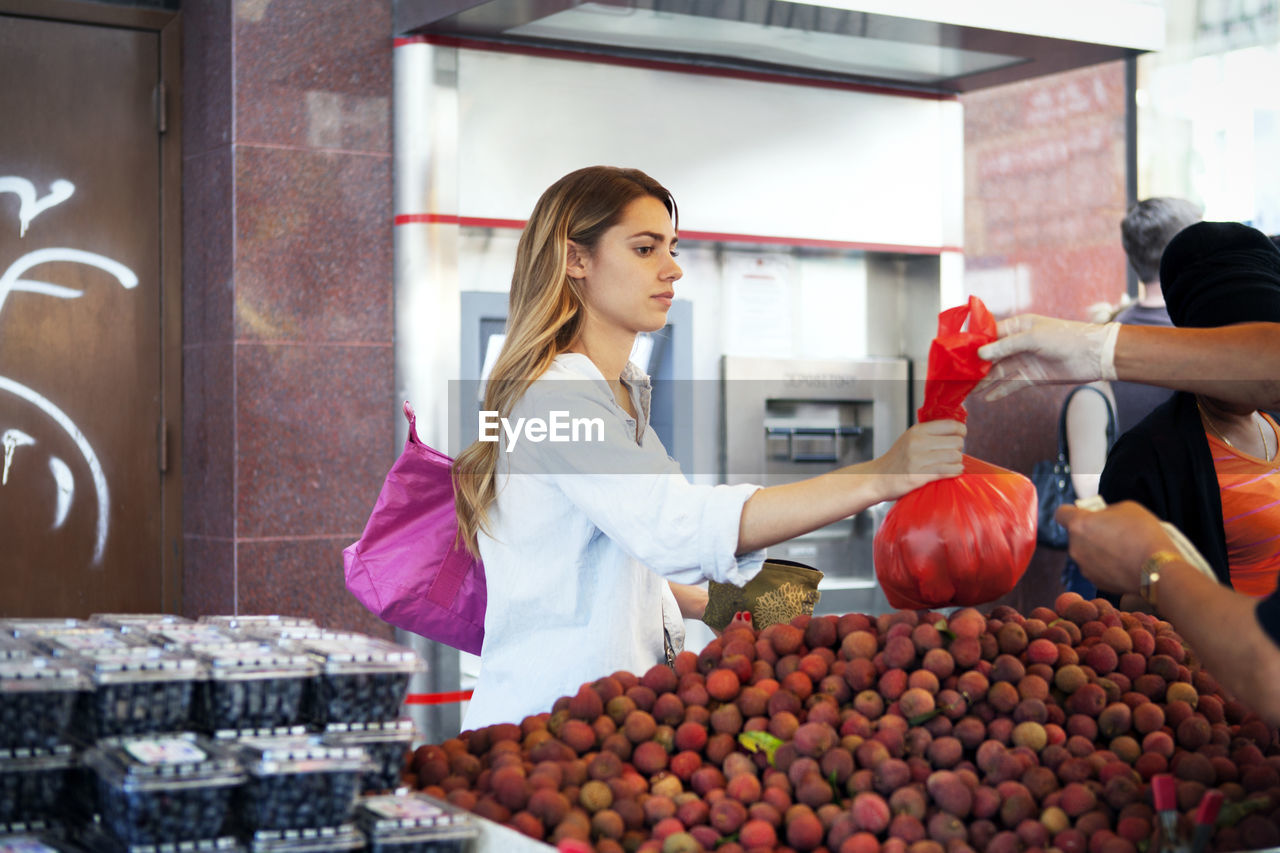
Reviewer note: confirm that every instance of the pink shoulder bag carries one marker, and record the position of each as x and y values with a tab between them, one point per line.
408	568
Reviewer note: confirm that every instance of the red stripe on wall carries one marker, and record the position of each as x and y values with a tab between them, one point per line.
454	219
690	236
668	65
437	698
808	243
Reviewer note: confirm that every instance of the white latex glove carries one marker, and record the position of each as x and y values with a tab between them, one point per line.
1033	349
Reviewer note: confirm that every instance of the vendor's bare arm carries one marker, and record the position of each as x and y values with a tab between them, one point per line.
1113	545
1237	363
778	513
1222	628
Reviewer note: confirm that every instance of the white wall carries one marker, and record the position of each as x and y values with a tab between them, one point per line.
741	156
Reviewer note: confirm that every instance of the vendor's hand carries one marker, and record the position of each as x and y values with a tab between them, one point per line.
1112	544
926	452
1034	349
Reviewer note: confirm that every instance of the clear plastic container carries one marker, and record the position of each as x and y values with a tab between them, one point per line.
37	698
386	743
137	690
96	840
11	649
414	823
88	639
186	636
287	635
160	789
251	621
33	783
296	783
35	841
141	622
23	628
328	839
250	685
361	679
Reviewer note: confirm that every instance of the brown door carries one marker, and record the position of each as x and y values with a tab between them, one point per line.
81	339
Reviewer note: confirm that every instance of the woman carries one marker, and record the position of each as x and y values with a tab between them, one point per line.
1090	428
582	539
1202	462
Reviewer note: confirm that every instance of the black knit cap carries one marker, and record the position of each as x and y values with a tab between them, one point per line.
1221	273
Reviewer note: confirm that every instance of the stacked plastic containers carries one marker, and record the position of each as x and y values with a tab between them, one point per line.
38	695
357	697
305	789
138	774
302	790
138	733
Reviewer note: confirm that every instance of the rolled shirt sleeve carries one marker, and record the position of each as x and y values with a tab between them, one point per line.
718	539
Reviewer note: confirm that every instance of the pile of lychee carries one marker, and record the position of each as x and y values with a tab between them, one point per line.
908	732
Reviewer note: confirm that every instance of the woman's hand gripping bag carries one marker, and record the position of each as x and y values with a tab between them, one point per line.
965	540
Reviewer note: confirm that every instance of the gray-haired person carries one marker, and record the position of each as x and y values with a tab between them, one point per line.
1144	232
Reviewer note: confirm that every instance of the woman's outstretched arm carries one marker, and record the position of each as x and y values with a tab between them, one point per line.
924	453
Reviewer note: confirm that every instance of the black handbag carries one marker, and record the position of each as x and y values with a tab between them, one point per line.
1052	477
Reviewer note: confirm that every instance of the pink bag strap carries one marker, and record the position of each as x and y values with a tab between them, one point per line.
412	418
444	589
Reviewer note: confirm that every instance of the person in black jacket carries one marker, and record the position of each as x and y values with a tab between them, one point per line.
1215	274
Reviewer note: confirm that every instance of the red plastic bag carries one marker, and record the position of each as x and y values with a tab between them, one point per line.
966	540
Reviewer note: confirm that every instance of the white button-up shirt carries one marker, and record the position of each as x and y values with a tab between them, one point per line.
585	536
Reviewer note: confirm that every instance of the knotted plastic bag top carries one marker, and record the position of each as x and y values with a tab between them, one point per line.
954	365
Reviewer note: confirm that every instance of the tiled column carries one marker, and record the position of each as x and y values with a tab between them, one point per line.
1044	195
288	363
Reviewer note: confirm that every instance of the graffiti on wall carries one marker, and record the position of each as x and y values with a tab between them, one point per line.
15	279
29	207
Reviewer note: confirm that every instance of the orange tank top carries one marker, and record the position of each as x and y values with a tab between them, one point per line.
1250	488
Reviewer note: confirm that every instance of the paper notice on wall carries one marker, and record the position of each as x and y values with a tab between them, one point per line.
757	306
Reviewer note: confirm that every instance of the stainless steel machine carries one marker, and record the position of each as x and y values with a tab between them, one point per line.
785	420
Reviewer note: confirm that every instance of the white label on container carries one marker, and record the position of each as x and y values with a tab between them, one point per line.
170	750
402	807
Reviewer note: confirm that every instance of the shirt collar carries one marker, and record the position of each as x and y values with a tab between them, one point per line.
636	380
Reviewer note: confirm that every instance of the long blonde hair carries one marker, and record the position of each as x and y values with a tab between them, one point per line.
545	313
